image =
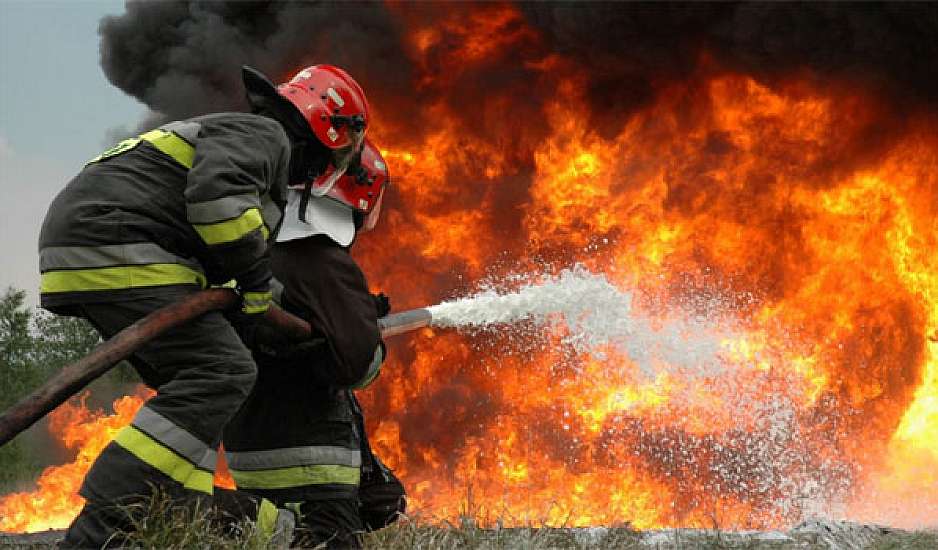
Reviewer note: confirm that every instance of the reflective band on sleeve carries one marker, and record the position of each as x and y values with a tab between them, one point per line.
112	278
255	302
171	145
176	438
373	369
272	459
298	476
230	230
165	460
221	209
111	255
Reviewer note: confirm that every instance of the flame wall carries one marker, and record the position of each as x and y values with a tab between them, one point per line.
804	207
770	169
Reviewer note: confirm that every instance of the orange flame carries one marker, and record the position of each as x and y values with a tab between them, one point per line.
772	201
55	501
798	220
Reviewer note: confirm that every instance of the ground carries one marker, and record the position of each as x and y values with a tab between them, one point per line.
810	535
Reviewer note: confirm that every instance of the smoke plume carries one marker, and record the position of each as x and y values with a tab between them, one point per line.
182	58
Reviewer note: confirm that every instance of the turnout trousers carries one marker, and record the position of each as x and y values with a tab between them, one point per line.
202	373
299	447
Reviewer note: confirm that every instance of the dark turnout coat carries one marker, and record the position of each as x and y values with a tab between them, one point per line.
184	205
149	221
296	437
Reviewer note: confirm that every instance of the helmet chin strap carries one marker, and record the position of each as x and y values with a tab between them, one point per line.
320	191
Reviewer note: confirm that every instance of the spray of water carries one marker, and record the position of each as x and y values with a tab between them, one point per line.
598	316
765	453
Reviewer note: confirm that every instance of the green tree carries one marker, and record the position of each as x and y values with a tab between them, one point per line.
33	346
16	346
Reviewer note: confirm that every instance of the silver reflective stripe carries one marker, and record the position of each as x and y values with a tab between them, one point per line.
222	209
79	257
293	456
188	131
176	438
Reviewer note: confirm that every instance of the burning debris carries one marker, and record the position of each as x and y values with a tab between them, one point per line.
749	190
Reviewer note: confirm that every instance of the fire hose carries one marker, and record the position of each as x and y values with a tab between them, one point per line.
72	378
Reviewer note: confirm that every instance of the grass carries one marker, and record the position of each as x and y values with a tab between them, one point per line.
156	523
407	534
920	540
159	524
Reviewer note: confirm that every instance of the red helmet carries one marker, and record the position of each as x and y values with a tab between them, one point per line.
330	102
361	188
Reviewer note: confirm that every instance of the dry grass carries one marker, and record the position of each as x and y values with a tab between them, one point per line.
921	540
174	528
407	534
161	523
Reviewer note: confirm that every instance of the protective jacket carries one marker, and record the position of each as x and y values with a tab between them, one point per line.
146	223
296	437
186	204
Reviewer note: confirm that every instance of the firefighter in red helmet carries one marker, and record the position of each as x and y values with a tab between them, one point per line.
299	440
159	216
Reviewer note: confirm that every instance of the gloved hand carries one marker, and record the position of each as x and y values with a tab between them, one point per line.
255	302
382	304
254	288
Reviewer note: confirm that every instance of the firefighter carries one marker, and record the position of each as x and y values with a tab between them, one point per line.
299	439
160	216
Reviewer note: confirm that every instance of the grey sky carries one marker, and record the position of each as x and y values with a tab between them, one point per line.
56	108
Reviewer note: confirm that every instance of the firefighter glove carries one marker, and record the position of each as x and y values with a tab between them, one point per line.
254	288
382	304
255	302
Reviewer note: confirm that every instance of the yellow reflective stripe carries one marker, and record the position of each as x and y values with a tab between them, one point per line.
230	230
256	302
266	519
153	453
124	145
171	144
113	278
297	476
167	142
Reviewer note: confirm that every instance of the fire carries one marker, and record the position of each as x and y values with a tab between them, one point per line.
791	223
762	207
55	501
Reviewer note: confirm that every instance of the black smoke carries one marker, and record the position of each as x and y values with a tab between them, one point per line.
182	58
633	49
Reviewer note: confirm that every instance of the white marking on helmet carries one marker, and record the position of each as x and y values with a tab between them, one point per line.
305	73
379	165
334	95
333	135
